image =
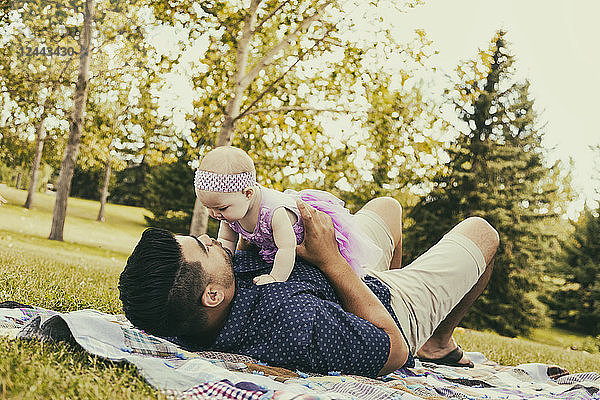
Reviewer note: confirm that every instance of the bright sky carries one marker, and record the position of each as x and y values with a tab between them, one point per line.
556	44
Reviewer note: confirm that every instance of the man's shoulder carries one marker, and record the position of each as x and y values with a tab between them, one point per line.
248	261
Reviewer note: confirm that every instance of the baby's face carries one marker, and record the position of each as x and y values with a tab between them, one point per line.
225	206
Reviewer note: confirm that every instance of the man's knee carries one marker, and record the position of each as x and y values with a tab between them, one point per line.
390	210
482	233
383	205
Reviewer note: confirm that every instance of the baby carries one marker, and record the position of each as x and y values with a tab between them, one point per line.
226	184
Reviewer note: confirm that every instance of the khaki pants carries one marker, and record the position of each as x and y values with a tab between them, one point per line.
425	291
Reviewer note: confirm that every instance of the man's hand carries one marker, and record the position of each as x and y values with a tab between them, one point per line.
319	246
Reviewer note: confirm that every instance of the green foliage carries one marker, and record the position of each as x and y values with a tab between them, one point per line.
39	86
9	175
496	171
287	109
170	196
35	86
86	183
575	303
356	154
130	185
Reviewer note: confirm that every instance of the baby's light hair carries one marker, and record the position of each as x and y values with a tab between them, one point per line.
227	160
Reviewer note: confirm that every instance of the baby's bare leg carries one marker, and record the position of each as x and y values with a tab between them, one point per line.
390	210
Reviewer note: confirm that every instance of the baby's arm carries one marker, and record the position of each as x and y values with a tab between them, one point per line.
285	240
227	237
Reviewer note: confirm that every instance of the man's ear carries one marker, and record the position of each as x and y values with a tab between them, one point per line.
213	295
248	192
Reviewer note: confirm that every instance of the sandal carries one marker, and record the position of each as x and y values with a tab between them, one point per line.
451	359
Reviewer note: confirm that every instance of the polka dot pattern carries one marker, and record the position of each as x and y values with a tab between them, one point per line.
300	324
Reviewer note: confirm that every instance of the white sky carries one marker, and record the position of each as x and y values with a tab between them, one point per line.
556	44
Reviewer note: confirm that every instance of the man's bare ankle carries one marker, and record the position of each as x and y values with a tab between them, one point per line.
437	345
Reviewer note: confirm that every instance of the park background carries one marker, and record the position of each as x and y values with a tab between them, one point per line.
353	97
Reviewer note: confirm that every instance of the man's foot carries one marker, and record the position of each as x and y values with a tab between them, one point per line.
440	355
455	358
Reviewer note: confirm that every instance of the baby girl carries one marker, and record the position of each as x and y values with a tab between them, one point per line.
226	184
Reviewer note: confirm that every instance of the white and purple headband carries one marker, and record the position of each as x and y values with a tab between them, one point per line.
227	183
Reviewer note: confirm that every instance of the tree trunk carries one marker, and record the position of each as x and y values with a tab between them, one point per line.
68	164
232	110
104	195
199	219
37	159
39	141
18	182
243	78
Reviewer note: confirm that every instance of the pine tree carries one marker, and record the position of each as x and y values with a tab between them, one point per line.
576	303
496	171
170	197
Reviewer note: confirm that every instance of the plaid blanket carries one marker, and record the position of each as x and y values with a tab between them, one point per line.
210	375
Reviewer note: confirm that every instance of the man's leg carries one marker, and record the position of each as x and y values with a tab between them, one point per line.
486	239
390	210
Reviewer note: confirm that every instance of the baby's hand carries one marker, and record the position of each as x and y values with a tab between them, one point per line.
263	279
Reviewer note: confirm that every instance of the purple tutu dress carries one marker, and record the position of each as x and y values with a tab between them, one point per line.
355	246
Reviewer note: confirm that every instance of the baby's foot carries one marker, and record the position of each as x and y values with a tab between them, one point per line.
263	279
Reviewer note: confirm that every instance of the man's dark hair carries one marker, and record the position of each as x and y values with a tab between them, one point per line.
160	291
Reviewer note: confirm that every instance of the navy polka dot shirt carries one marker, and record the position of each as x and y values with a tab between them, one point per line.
300	324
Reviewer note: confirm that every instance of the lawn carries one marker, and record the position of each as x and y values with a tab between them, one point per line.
82	272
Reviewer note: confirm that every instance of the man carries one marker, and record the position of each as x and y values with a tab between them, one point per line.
324	318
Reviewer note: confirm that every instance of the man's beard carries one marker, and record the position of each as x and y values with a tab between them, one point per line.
226	278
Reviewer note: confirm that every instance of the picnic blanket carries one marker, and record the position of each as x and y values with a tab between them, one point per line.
209	375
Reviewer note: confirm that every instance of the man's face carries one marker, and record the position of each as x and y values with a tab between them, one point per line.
215	260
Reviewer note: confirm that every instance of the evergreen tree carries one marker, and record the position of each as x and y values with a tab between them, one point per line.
576	303
496	172
129	188
170	196
85	183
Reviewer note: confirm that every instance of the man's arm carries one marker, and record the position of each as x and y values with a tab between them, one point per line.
320	248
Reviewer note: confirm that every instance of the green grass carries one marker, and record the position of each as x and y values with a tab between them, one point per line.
34	370
515	351
82	272
119	232
566	339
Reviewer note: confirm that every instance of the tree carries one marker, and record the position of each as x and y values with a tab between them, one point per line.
34	75
244	74
76	120
112	25
40	136
575	304
496	171
169	197
573	297
130	185
256	71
